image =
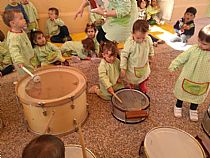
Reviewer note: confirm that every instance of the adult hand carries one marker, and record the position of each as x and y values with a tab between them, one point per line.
98	10
79	13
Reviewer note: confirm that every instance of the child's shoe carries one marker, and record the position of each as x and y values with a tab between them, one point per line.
194	115
177	112
93	89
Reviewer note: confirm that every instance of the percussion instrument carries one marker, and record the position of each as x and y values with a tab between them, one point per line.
165	142
75	151
52	105
133	106
206	122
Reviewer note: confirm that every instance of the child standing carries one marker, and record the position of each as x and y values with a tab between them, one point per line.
32	14
14	5
79	49
55	28
185	26
45	51
19	45
193	83
44	146
109	72
6	66
91	33
135	56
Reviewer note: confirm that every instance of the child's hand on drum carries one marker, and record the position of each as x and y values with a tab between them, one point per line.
20	65
110	90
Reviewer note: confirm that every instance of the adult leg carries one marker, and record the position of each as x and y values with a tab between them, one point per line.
101	35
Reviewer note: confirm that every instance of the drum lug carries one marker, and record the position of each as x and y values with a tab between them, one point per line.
26	125
72	105
41	104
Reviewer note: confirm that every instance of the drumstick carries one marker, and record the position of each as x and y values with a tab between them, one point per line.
115	95
34	77
48	123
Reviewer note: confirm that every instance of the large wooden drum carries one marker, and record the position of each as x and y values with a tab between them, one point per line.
56	103
167	142
75	151
206	122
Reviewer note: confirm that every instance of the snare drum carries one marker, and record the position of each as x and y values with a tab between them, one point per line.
167	142
206	123
133	106
52	105
75	151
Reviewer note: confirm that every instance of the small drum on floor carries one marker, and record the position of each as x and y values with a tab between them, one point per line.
133	106
75	151
168	142
53	104
206	122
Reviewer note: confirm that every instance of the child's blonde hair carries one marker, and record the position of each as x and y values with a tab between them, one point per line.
204	34
9	15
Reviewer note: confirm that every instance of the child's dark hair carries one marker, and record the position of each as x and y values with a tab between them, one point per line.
2	37
204	34
88	43
33	36
90	25
44	146
139	2
9	15
109	46
55	10
141	26
191	10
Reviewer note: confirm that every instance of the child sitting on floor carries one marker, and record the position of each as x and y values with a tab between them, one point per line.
19	45
91	33
153	11
46	52
185	26
135	56
6	66
142	15
78	49
32	14
44	146
193	83
55	28
109	72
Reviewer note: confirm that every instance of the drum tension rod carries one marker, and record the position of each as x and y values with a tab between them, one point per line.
72	100
42	106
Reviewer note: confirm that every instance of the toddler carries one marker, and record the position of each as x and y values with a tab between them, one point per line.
109	72
44	146
55	28
32	14
185	26
19	45
153	11
193	83
135	56
46	52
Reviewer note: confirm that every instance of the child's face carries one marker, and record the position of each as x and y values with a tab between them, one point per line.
139	37
154	3
40	40
25	1
188	17
203	45
52	15
91	33
108	57
18	22
13	1
142	4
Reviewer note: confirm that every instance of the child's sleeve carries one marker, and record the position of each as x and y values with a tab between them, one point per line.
151	48
24	14
47	29
35	11
59	22
124	55
180	60
103	77
14	49
7	58
176	26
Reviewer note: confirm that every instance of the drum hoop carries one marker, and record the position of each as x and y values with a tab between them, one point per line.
146	151
79	146
53	102
133	109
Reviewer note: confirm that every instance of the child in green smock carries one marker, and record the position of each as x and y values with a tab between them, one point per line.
19	45
135	56
193	83
153	11
46	52
109	72
32	14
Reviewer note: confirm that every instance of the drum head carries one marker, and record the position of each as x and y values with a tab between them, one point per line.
165	142
75	151
132	100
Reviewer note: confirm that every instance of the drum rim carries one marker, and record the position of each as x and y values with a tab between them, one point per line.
125	110
145	149
62	100
204	126
79	146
